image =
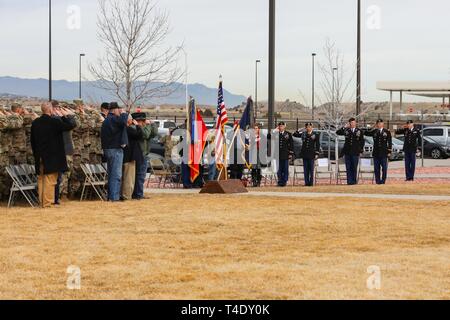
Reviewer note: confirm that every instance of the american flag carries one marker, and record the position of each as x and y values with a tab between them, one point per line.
222	120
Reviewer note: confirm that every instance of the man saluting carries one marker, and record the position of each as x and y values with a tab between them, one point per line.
285	152
412	140
310	152
382	149
353	148
49	154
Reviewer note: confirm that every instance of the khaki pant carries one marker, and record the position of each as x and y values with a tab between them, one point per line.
46	188
128	179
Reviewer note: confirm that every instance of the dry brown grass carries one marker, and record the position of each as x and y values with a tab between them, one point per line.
402	189
250	248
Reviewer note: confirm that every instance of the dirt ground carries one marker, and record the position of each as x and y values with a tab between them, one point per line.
226	247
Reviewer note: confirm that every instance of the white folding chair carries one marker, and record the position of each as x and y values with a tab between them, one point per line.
366	167
299	170
24	181
270	173
323	169
341	171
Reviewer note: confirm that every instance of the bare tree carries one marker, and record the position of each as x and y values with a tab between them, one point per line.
336	89
136	65
334	86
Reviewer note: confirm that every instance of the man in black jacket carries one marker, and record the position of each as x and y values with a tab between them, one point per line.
132	154
285	152
68	144
413	140
353	148
47	144
114	139
382	148
310	152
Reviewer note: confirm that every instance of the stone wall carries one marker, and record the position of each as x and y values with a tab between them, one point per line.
15	147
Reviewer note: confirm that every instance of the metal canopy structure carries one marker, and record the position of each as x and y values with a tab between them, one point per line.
424	89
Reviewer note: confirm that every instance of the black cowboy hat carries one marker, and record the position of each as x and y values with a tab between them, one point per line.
139	116
113	105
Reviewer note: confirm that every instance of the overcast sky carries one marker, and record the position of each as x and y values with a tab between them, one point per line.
225	37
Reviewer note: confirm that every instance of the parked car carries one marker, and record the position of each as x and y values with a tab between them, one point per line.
164	126
397	149
434	149
440	135
157	147
327	141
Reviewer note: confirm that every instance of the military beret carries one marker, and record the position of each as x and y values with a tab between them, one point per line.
409	122
308	124
380	121
282	123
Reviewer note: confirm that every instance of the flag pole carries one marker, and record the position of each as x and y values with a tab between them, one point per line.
225	160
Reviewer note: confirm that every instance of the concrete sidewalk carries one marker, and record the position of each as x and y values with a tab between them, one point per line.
312	195
421	175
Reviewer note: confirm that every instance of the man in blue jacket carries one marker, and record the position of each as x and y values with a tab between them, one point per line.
114	140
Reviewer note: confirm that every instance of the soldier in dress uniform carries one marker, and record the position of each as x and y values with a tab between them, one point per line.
353	148
310	152
286	144
382	149
413	140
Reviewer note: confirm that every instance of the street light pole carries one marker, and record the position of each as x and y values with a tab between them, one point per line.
358	62
49	50
256	89
186	81
313	86
271	64
81	55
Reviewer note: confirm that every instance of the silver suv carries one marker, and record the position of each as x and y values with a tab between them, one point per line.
440	135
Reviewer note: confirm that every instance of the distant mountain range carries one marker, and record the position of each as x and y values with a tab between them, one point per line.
68	90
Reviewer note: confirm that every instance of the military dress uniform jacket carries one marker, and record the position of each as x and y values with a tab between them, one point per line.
354	141
310	145
412	140
382	142
286	145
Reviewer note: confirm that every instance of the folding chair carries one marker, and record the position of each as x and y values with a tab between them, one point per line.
24	181
96	177
323	169
342	171
366	166
269	173
159	170
299	170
